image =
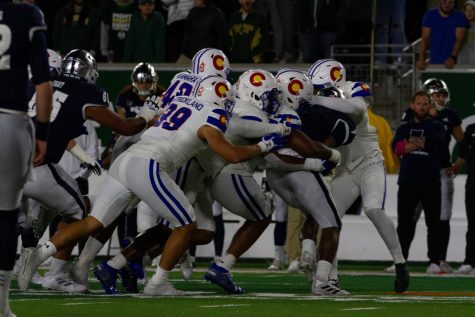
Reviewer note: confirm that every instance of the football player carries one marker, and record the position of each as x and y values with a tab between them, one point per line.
186	126
362	169
23	43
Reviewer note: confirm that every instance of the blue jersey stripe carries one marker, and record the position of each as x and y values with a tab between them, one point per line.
241	195
252	118
217	124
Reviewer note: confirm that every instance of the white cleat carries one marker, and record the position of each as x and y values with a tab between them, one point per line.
445	267
327	289
276	265
390	269
6	313
164	288
37	279
308	264
293	266
433	269
186	266
466	269
79	274
63	282
28	264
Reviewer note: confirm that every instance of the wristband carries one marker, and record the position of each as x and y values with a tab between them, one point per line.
313	165
41	131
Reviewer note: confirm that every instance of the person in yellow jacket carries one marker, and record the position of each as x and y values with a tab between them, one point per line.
385	135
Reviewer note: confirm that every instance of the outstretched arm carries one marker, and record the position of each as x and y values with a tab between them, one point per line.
306	147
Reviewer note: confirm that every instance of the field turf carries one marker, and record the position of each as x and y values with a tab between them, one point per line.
267	294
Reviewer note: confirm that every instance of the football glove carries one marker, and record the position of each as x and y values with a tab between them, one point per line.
272	142
150	108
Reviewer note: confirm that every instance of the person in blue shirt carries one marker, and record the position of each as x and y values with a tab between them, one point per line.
443	32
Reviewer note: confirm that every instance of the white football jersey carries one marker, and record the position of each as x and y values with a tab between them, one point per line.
247	112
181	85
173	140
364	149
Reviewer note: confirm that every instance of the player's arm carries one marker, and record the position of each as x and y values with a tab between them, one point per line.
114	121
306	147
292	163
425	35
229	152
256	129
353	107
86	160
44	92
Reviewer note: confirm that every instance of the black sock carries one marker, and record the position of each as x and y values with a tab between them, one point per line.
218	235
280	233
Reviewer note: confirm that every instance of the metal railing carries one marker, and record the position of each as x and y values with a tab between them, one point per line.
392	76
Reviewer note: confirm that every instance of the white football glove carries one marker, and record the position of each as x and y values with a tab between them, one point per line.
150	108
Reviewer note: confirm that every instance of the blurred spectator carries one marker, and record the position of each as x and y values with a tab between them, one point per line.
385	135
205	26
145	40
390	15
281	13
247	34
116	18
443	32
77	25
467	53
177	12
49	9
419	143
319	24
226	6
467	152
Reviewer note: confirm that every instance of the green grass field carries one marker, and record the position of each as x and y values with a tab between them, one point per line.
267	294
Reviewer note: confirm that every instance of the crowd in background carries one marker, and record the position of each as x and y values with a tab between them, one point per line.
249	31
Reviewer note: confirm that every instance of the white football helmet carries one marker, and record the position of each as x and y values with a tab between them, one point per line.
54	61
258	87
210	62
213	90
327	72
295	87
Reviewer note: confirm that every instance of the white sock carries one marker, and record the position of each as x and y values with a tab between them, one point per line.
117	262
46	250
56	266
88	254
279	253
309	246
160	275
387	231
5	278
227	261
323	271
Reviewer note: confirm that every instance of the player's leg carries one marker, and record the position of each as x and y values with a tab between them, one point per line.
447	192
280	233
240	195
373	194
218	239
407	201
431	202
16	157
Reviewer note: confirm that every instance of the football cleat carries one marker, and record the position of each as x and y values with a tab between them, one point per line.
465	269
28	264
63	282
326	289
293	266
334	280
129	275
37	279
164	288
433	269
79	274
402	278
308	264
276	266
445	267
107	275
6	312
390	269
186	266
221	277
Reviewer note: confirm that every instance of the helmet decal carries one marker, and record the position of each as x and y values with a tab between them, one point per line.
256	79
335	74
295	86
221	89
218	62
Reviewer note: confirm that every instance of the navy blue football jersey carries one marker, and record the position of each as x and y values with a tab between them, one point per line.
130	102
70	98
319	123
22	43
450	119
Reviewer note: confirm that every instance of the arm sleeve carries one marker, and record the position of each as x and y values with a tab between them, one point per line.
251	128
